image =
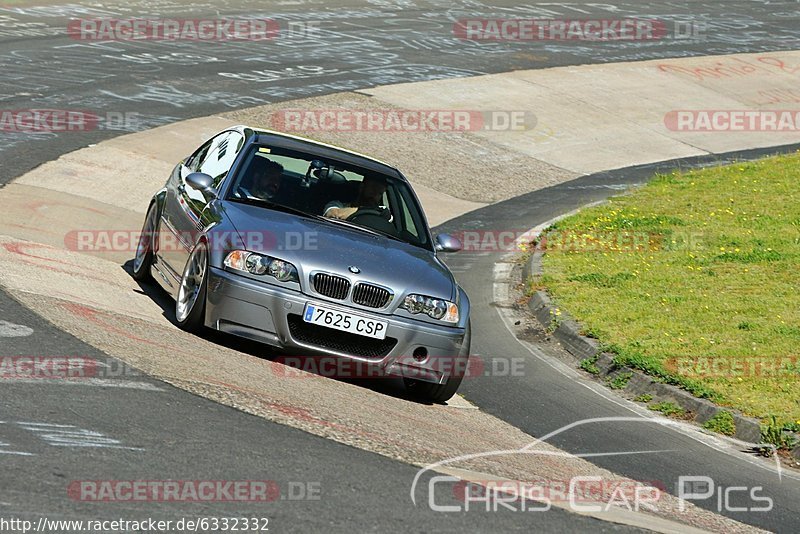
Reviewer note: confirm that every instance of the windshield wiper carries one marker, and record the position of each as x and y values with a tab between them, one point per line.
364	228
275	206
288	209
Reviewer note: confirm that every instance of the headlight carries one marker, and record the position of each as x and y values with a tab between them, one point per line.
282	270
436	308
256	264
252	263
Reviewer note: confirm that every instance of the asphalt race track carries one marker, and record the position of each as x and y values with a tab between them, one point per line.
140	428
547	398
358	45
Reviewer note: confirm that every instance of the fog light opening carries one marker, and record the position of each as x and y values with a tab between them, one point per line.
420	354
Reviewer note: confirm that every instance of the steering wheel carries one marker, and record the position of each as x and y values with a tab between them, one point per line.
375	218
369	212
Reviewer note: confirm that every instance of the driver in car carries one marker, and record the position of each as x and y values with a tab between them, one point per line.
265	179
369	196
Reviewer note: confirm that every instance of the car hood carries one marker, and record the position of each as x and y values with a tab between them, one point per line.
313	245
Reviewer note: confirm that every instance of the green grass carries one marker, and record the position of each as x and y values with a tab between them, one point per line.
772	434
722	422
670	409
695	279
590	365
620	381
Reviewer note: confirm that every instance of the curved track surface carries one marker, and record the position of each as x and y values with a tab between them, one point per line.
550	395
156	431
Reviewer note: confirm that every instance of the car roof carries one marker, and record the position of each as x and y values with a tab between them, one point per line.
303	144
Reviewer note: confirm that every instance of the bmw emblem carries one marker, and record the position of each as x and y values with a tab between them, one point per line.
353	269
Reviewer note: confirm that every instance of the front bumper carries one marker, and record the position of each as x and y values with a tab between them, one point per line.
273	315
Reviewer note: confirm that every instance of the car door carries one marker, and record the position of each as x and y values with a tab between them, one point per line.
185	211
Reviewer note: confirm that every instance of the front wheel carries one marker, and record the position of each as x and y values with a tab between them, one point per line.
190	306
143	259
441	393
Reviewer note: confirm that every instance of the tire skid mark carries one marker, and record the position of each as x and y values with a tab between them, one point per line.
92	315
307	416
37	205
18	248
295	412
31	228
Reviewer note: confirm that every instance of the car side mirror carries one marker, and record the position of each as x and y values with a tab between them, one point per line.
448	243
202	182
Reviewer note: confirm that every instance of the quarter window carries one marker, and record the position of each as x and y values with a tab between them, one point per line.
216	156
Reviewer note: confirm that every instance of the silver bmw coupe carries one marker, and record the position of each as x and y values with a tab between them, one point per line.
312	249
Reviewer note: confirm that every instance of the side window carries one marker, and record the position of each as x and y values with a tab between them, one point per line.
216	157
405	219
218	161
193	161
408	222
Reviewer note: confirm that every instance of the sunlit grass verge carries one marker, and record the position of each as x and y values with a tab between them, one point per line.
722	422
694	279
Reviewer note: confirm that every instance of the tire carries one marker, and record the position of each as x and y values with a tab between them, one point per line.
143	260
190	305
441	393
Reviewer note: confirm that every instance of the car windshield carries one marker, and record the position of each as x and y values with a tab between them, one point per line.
331	191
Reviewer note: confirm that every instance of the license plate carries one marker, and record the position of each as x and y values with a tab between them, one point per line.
346	322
